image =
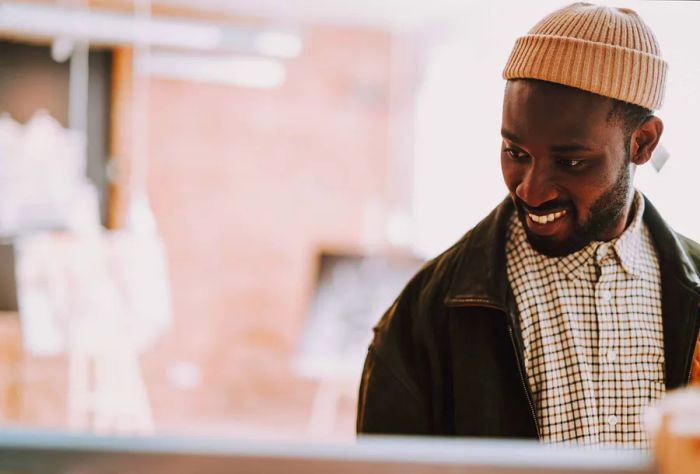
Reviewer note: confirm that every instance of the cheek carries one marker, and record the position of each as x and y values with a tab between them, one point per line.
594	187
511	174
583	199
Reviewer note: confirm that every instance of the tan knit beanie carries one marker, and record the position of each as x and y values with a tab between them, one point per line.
607	51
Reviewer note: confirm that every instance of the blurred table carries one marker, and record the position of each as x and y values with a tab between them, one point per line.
55	452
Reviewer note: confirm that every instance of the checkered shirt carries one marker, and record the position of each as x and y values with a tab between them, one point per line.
592	331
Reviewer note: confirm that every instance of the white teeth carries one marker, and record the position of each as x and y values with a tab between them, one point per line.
548	218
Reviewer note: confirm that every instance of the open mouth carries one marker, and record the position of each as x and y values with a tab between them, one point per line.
546	218
547	225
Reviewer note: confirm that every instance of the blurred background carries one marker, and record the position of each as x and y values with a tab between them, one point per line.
205	205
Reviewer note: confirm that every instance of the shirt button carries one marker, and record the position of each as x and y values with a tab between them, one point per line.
602	251
612	355
612	420
606	295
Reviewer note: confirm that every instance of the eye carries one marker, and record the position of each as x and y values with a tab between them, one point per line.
571	163
515	154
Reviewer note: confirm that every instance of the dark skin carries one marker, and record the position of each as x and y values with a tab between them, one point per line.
567	164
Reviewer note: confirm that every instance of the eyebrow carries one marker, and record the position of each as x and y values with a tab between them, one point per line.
569	147
509	135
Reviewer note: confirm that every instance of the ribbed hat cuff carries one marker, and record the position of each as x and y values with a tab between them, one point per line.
603	69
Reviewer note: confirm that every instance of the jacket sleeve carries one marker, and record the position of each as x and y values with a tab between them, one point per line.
395	386
693	249
387	404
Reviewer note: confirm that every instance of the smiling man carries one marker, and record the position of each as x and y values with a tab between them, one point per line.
573	305
567	159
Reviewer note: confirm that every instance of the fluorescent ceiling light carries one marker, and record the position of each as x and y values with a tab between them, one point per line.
104	27
238	70
110	28
274	43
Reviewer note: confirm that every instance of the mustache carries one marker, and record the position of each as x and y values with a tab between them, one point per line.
544	208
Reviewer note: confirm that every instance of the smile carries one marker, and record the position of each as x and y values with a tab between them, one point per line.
546	218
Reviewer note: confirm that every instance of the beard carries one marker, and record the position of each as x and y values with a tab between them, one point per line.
604	216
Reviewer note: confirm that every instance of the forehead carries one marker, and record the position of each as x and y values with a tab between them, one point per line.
542	111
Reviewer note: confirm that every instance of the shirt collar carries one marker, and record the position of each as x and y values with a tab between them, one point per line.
626	249
629	245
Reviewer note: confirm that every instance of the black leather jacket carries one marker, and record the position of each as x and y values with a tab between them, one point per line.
446	358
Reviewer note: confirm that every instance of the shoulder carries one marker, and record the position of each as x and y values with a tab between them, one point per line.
670	243
412	330
420	309
423	295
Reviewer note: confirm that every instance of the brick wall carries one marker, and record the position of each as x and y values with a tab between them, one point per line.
246	186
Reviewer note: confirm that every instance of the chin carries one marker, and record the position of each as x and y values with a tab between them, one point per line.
554	247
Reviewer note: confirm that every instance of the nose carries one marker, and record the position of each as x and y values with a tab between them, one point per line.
537	186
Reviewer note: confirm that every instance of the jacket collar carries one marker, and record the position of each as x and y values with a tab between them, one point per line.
480	277
680	290
674	254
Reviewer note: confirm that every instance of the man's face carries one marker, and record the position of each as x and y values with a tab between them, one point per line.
565	164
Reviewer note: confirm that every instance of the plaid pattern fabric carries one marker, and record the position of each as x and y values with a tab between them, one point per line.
592	331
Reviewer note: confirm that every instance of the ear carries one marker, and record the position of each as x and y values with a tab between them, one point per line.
644	140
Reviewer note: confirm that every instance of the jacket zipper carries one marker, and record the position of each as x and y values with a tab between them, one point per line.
466	303
523	382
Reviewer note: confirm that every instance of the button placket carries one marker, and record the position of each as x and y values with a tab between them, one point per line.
607	343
